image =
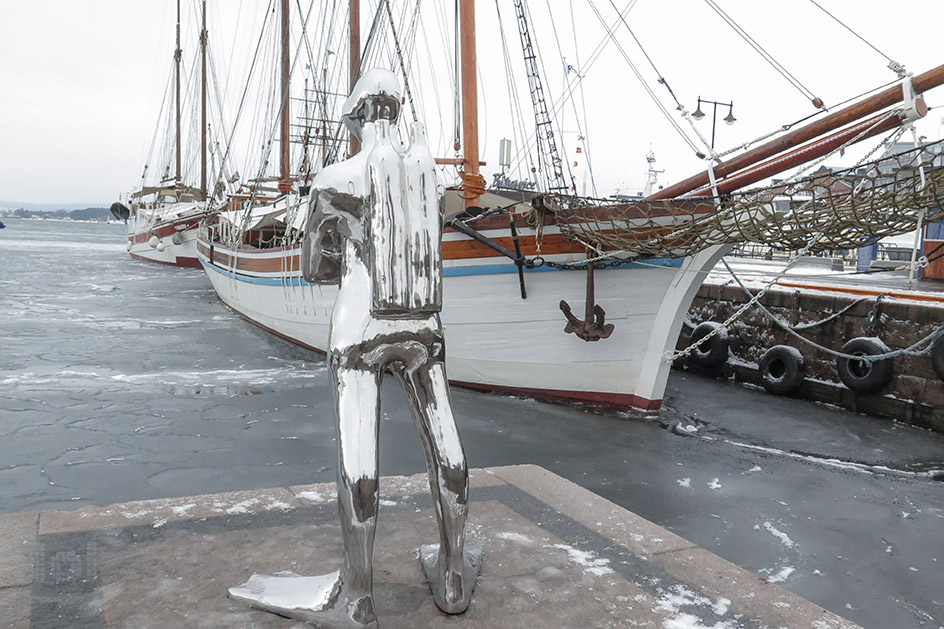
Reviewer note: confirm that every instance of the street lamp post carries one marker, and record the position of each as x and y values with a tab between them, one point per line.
729	119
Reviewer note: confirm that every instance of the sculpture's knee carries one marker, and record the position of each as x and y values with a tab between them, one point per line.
455	480
364	498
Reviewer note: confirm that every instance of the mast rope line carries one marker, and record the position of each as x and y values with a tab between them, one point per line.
645	84
776	65
893	65
662	80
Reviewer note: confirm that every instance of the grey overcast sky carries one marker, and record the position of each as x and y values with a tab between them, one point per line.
82	80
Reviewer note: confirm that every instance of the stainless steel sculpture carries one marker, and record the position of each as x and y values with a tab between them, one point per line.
374	226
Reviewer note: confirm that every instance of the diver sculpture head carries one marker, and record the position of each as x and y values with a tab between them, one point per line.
375	96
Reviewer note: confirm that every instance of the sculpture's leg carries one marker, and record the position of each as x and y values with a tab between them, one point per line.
342	598
358	409
450	568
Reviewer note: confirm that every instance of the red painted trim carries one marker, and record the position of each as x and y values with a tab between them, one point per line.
165	230
271	331
189	263
617	400
595	398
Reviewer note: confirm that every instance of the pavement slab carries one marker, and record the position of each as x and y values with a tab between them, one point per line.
556	555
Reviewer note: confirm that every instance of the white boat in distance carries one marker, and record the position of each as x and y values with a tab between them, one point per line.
504	326
163	219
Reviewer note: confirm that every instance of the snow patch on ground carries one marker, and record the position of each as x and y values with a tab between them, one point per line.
597	566
278	504
311	495
242	507
182	510
511	536
679	597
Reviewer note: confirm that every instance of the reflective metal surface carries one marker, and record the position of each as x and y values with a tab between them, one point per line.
374	226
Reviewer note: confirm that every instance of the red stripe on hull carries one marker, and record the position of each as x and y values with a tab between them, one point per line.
290	339
615	400
164	230
188	263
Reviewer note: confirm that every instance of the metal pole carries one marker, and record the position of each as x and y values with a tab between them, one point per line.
354	53
177	55
203	107
470	116
285	183
714	121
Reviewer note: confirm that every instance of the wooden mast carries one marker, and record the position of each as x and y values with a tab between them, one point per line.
354	54
177	55
203	106
470	116
285	181
922	83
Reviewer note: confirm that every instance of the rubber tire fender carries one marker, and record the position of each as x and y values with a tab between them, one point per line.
937	357
860	377
782	370
712	352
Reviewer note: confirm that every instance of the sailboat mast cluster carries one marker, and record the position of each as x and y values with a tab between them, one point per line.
510	257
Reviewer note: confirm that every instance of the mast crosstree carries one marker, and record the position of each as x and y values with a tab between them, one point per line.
549	157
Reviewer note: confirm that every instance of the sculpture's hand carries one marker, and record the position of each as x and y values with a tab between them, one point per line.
335	202
321	253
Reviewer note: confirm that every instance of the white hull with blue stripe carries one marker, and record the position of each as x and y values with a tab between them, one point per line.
495	339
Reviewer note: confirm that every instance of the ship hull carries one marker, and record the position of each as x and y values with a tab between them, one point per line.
495	339
178	237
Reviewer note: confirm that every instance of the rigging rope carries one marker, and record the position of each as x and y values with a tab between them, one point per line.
776	65
893	65
661	79
644	83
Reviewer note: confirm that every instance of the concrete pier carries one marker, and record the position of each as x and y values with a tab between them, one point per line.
557	555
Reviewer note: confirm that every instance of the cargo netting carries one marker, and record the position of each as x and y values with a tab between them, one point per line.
832	209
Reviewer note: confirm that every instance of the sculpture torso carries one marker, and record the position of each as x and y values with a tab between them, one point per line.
392	240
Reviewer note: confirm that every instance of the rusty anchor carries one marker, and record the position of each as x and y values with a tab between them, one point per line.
594	326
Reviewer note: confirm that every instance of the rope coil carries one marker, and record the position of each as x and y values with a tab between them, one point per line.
473	185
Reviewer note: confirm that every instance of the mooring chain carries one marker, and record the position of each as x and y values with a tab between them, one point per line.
673	356
911	350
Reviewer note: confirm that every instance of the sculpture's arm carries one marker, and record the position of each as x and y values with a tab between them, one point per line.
333	216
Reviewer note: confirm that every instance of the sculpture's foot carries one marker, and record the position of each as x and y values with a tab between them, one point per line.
452	589
320	600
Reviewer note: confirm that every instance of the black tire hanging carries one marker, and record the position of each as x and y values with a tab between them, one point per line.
711	352
782	370
860	376
937	357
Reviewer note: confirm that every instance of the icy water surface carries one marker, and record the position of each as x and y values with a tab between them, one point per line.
124	380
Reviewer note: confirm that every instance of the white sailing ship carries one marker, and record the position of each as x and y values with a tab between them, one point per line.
513	262
164	216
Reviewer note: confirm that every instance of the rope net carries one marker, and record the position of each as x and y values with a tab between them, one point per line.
846	208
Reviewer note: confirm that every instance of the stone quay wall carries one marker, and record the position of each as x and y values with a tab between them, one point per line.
915	394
